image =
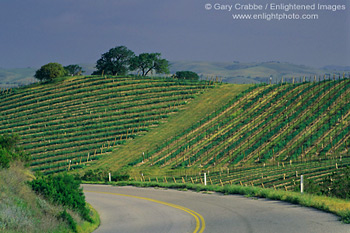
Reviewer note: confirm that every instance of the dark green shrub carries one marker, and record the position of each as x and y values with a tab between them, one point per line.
187	75
99	175
311	187
115	176
335	185
4	158
63	189
339	184
10	151
345	217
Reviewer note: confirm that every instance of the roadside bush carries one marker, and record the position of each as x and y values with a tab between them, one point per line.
338	184
65	190
4	158
99	175
335	185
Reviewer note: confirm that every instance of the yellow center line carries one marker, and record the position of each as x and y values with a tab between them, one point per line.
200	223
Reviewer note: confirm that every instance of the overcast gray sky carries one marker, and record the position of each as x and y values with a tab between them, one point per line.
35	32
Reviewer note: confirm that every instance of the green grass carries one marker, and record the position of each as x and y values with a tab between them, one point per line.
88	226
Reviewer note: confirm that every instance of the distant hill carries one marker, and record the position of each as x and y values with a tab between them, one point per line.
337	68
236	72
230	72
16	77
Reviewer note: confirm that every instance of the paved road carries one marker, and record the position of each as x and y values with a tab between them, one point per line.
121	212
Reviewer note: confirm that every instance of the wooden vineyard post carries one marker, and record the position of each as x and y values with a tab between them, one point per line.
183	180
192	180
157	179
174	180
241	183
165	180
211	182
221	183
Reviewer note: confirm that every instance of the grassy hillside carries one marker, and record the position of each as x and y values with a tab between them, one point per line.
22	210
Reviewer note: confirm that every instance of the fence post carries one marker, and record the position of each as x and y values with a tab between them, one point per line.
205	179
109	177
302	183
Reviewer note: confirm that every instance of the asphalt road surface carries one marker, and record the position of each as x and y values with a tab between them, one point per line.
149	210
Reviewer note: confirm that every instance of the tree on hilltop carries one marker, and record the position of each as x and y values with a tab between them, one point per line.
50	71
186	75
114	62
146	62
74	70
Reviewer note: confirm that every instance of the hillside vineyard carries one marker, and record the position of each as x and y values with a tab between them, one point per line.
266	124
72	124
66	125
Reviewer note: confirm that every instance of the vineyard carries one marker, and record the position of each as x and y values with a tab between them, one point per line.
265	136
68	124
160	129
